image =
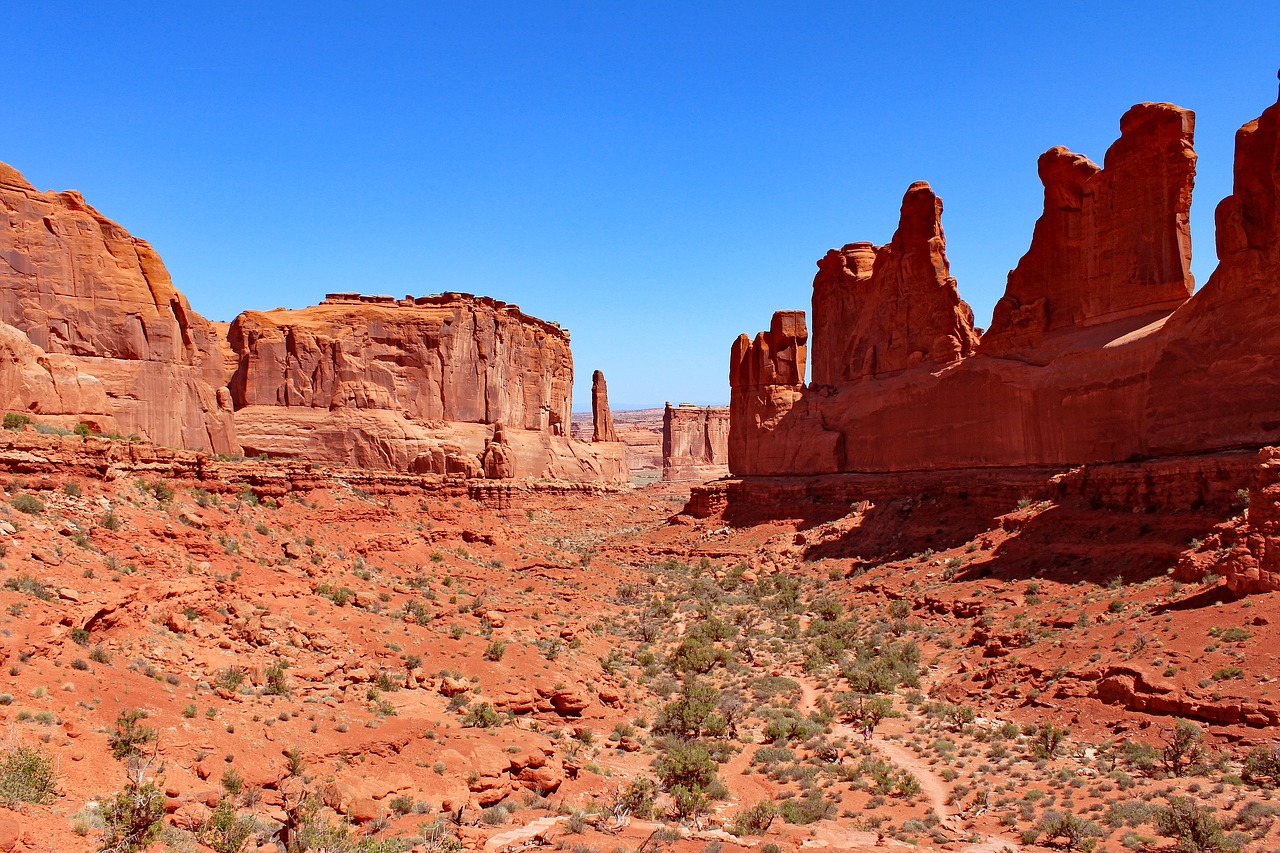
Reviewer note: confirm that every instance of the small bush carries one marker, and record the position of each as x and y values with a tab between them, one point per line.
14	421
26	776
28	503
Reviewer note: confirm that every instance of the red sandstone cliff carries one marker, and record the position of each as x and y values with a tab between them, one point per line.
79	285
695	442
98	333
882	309
1112	242
417	384
1117	363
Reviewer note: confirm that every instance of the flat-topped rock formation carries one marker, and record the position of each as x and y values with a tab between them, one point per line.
99	334
695	442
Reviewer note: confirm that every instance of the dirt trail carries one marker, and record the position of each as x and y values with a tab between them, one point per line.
933	787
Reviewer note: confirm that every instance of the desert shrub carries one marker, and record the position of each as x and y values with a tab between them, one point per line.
1184	745
755	820
692	713
638	799
1193	827
26	776
1071	831
132	819
481	716
227	831
29	584
277	683
495	650
14	421
1047	740
1262	763
810	808
130	736
28	503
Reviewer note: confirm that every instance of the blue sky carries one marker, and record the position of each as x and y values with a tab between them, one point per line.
657	177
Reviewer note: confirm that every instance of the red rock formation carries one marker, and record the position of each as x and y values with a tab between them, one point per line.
453	357
411	384
1123	365
695	442
1111	242
882	309
78	284
601	417
49	386
497	461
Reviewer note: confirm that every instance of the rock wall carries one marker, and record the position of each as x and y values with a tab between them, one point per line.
695	442
1114	363
78	285
98	333
415	384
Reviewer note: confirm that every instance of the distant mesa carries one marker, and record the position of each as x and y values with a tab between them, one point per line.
695	442
413	384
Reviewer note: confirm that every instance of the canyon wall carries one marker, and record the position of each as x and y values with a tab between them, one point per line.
81	287
1097	352
695	442
415	384
93	330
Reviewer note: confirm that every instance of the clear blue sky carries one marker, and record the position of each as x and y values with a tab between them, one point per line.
657	177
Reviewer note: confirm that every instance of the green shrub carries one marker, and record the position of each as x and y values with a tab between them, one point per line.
28	503
26	776
130	735
1193	827
755	820
227	831
14	421
496	650
132	819
481	716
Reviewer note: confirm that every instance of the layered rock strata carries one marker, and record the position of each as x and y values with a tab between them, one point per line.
80	286
415	384
695	442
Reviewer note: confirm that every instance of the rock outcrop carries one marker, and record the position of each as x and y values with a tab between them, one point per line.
1095	355
883	309
97	333
695	442
79	285
1112	241
602	428
412	384
33	382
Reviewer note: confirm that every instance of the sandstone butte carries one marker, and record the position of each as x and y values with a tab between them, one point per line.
1098	352
695	442
94	331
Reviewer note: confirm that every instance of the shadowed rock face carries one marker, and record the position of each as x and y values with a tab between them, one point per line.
1096	353
79	285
